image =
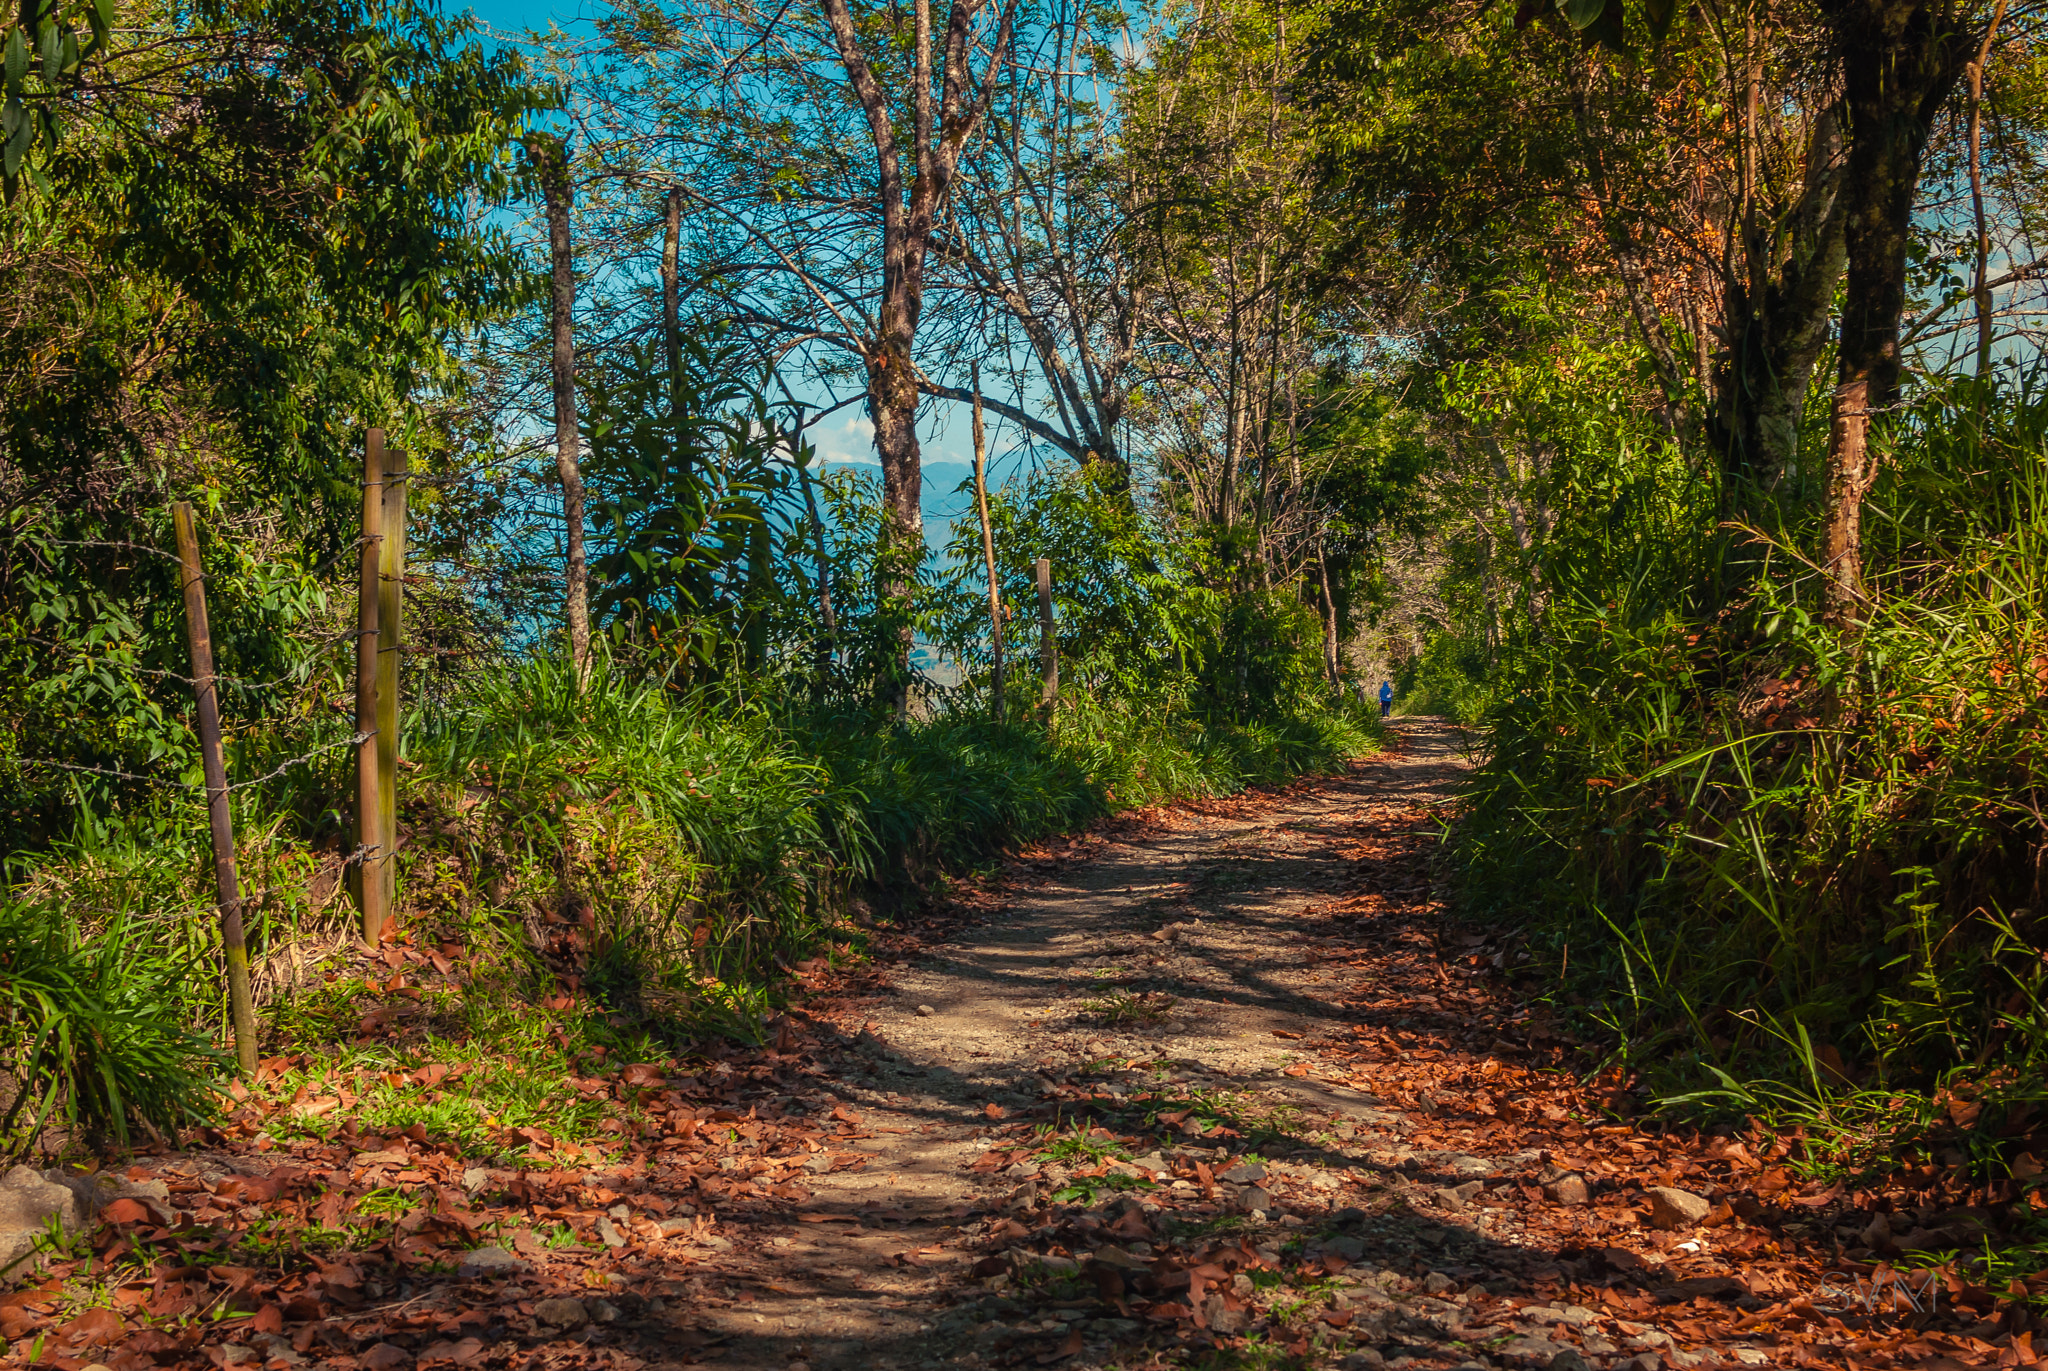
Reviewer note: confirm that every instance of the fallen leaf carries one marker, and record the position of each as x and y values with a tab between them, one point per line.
126	1211
93	1326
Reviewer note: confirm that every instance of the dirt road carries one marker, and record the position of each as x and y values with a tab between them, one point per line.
1158	1007
1218	1085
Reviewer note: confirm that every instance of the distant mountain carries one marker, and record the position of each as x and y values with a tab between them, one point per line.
942	500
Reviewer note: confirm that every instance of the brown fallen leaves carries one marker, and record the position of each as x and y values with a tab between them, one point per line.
371	1251
361	1250
1781	1269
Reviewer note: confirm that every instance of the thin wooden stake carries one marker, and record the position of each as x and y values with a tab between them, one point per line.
369	842
241	1007
827	648
1048	646
988	553
390	599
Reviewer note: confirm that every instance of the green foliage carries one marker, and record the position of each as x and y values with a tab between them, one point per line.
1770	844
92	1034
301	225
1145	616
682	470
1128	617
46	47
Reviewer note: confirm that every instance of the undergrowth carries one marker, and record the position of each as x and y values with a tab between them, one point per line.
1788	870
618	866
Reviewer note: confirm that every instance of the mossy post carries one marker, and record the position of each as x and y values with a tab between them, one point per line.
369	844
390	653
1048	646
205	693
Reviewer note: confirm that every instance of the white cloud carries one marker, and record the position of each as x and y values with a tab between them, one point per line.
848	436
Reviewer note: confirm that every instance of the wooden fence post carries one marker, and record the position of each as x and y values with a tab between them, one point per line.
370	884
1048	646
205	693
390	600
988	553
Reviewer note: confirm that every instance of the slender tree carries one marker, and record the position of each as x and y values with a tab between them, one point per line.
909	219
1901	61
551	160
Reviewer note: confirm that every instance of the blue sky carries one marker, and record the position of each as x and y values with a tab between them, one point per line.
508	14
945	431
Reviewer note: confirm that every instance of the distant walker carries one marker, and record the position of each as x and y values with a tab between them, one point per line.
1386	698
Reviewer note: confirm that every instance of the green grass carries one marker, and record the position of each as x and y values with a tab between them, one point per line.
671	852
1124	1008
1786	871
92	1024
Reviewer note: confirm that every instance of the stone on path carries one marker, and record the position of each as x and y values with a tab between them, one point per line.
562	1313
490	1261
1568	1189
1673	1208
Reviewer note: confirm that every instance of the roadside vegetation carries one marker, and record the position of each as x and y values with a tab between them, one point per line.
1655	391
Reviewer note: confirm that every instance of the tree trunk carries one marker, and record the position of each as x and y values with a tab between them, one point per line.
988	557
892	403
552	159
1331	666
1980	289
671	298
909	216
1900	61
1777	324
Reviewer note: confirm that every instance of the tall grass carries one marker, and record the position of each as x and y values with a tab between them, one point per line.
664	853
93	1031
713	838
1754	844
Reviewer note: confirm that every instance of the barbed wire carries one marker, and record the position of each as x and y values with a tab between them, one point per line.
353	740
271	775
219	678
99	771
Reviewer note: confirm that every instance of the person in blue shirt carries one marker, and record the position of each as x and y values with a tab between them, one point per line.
1386	698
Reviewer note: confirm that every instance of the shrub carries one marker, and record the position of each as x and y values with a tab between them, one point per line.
94	1029
1757	842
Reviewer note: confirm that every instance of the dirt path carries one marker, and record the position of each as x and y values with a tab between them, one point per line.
1190	960
1216	1086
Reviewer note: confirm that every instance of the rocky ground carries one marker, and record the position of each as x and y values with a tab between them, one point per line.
1216	1084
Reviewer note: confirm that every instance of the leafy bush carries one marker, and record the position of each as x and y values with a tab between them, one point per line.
1147	611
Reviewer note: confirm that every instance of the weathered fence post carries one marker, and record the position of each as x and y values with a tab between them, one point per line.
390	602
1048	646
370	883
205	693
988	554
